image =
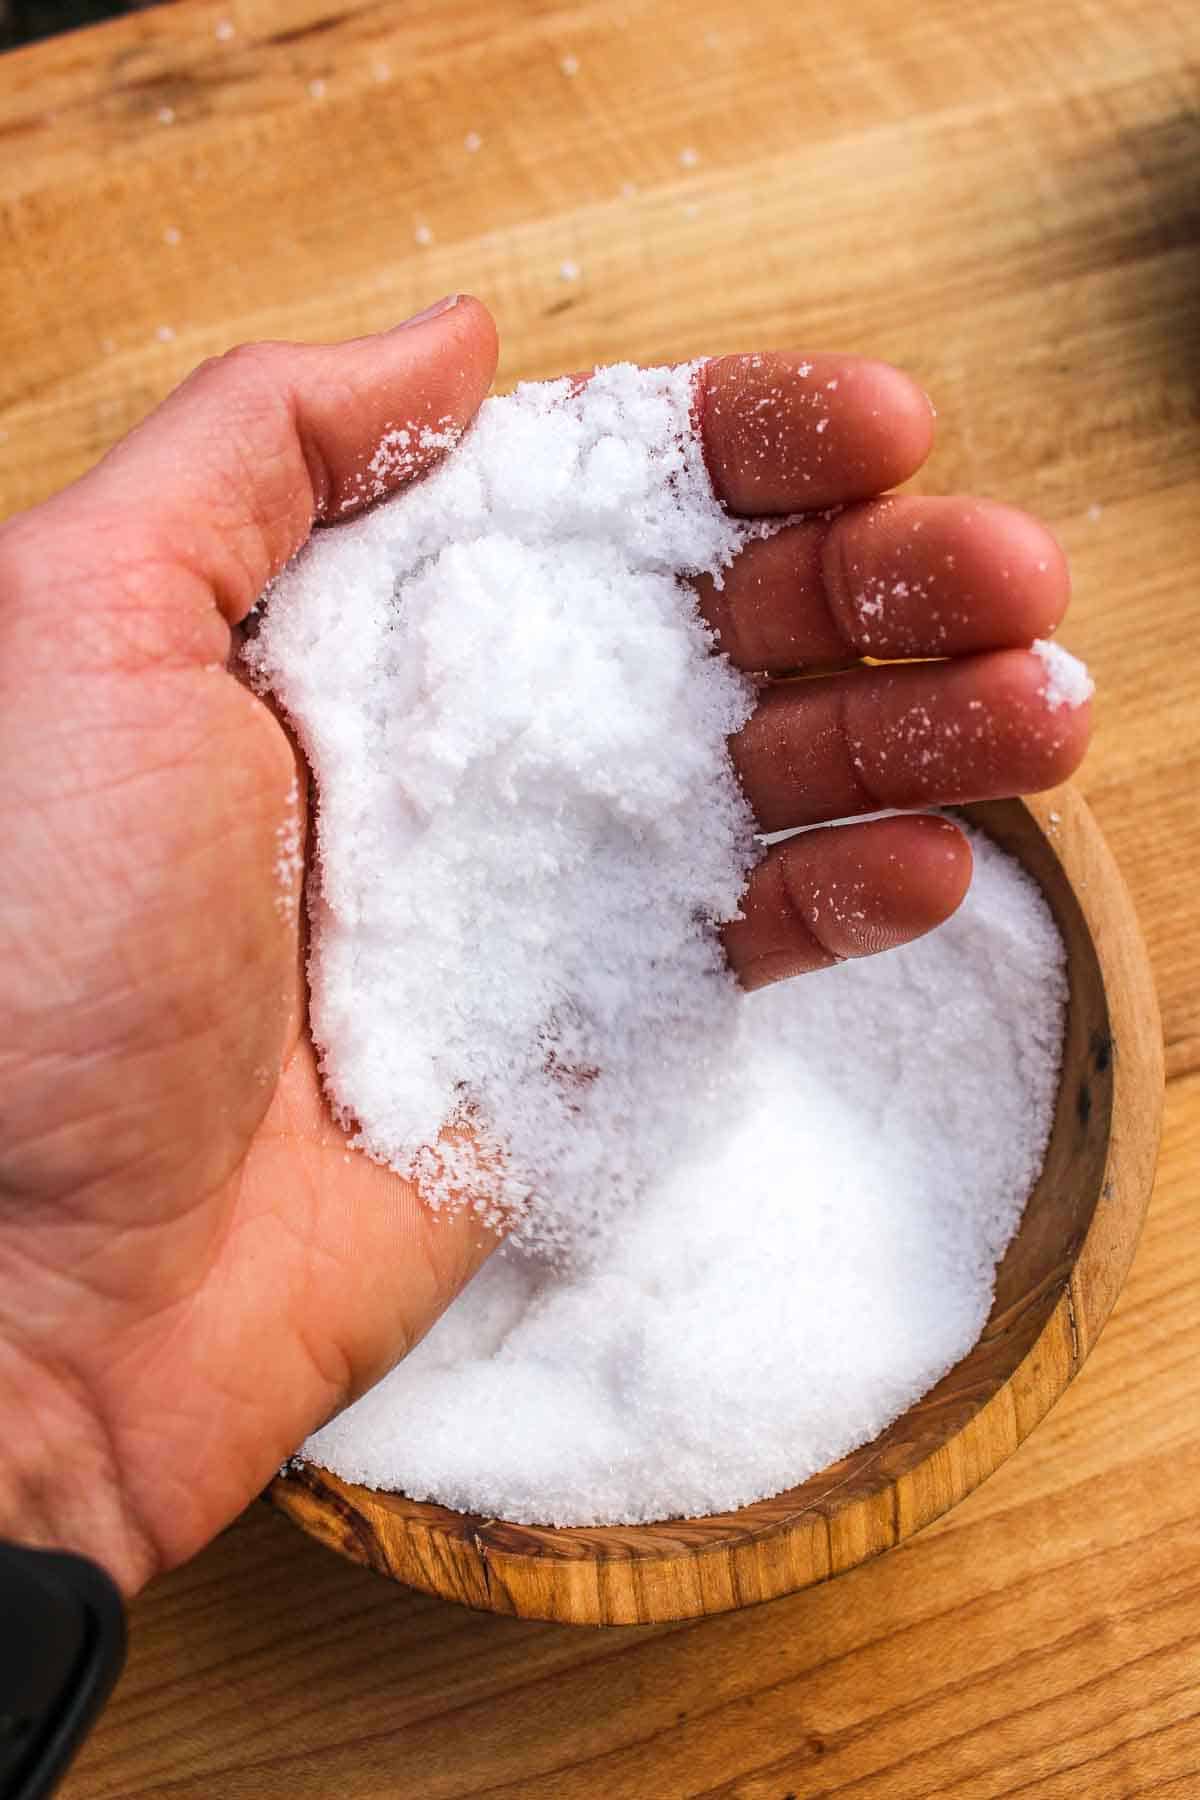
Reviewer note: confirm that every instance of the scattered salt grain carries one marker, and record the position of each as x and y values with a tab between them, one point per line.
529	833
569	65
317	89
1067	680
224	30
569	271
166	115
165	333
172	235
472	142
688	158
423	235
1094	511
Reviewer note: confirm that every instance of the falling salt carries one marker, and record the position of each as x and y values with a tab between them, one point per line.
1067	680
528	835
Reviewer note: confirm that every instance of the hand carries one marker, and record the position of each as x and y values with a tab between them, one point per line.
195	1271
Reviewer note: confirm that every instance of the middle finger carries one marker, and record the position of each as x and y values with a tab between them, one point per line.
898	577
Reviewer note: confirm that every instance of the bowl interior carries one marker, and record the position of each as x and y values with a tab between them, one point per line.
855	1507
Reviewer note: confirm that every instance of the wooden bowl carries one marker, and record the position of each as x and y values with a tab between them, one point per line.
1054	1290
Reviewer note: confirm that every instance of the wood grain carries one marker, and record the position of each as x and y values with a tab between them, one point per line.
1001	196
1054	1290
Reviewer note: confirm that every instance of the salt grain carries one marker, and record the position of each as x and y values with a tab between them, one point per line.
529	833
423	235
472	142
569	65
569	271
689	158
1067	680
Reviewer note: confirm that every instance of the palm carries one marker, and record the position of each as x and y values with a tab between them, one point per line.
195	1268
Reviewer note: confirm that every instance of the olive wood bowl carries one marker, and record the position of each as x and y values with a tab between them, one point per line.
1054	1289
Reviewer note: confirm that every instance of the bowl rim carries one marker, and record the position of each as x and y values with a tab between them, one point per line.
651	1573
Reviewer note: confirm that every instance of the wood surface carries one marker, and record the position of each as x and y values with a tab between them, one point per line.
1003	196
1054	1290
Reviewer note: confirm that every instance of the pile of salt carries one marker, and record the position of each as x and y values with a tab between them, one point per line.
752	1230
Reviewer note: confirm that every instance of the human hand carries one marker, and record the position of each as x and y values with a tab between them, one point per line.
195	1271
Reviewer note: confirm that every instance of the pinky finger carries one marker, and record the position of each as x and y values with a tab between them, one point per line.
844	891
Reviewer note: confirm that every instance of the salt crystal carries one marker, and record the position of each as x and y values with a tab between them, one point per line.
165	333
569	65
569	271
317	89
166	115
423	234
1094	511
172	235
224	30
689	158
472	142
1067	680
528	835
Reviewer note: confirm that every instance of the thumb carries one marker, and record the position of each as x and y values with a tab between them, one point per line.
228	476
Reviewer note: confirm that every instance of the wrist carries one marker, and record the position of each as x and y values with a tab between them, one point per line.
60	1480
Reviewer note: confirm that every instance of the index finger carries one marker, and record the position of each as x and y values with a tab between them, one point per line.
785	433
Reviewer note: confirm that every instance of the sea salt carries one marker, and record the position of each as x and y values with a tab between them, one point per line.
528	835
784	1290
1067	680
519	894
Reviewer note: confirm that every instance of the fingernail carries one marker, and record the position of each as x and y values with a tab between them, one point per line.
430	312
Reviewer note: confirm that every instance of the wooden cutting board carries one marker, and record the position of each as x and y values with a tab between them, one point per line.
1003	196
